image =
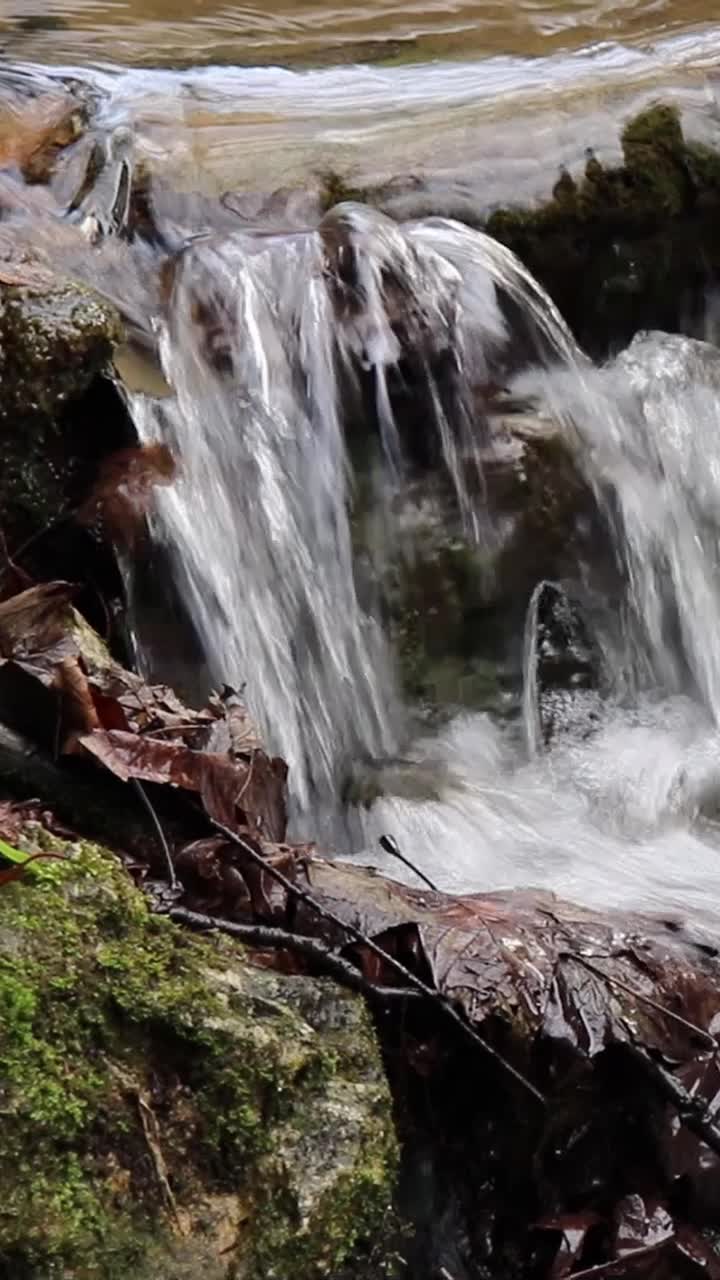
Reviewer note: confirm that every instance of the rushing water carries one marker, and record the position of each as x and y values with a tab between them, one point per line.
620	807
273	345
490	126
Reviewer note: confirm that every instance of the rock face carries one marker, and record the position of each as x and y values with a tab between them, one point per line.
170	1110
456	607
56	338
630	246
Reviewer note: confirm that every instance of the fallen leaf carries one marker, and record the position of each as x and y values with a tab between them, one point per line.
36	619
235	792
123	490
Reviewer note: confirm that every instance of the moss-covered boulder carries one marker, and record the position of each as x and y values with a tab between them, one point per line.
168	1109
55	338
629	246
619	247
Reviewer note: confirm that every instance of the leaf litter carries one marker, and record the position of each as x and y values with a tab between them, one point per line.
569	1017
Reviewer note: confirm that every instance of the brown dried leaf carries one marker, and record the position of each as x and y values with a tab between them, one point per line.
234	732
236	793
36	619
78	715
122	494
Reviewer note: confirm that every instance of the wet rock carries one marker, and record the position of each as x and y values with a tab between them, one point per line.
456	602
59	414
628	246
562	667
169	1110
36	128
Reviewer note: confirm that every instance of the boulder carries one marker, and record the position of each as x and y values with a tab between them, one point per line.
56	340
169	1109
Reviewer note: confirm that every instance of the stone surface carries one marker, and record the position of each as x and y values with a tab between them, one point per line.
56	338
169	1110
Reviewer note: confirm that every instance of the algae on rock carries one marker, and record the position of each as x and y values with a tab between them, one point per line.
168	1109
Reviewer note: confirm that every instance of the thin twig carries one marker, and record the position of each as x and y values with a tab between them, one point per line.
357	935
692	1111
607	1268
174	882
639	995
390	845
265	936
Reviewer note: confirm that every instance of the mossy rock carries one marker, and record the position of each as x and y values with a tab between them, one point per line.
619	247
55	337
169	1110
629	246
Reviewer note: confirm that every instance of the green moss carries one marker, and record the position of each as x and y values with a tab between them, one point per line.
336	188
113	1020
626	246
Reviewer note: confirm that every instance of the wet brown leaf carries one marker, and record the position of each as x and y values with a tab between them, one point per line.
123	491
552	968
36	619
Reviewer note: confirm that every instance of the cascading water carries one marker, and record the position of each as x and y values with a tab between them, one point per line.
622	807
272	345
648	437
263	337
259	517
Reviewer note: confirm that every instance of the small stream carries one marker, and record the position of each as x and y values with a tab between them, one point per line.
276	326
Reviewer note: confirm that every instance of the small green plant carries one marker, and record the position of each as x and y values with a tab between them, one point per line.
21	861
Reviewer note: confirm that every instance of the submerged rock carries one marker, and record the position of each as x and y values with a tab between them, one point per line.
170	1110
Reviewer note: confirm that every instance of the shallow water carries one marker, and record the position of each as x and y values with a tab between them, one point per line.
481	100
170	32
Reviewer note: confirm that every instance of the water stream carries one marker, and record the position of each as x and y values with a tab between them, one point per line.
619	808
277	339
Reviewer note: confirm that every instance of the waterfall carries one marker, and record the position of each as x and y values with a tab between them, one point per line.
647	430
275	347
263	343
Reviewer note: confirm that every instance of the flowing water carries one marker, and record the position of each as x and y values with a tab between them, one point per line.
620	808
278	337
